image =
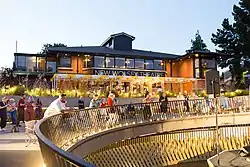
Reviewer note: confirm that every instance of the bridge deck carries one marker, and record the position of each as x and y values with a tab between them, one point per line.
14	153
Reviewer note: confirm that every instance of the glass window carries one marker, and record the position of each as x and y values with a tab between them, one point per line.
208	63
139	63
149	64
64	61
51	66
130	63
41	63
20	63
158	65
31	64
110	62
99	61
197	63
87	61
119	62
197	73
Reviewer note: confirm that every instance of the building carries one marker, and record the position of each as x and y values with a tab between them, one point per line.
115	64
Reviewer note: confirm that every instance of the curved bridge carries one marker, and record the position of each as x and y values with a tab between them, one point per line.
89	134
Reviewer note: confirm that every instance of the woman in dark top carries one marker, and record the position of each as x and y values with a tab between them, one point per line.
3	113
80	103
38	109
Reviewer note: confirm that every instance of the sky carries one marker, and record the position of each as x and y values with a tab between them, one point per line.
157	25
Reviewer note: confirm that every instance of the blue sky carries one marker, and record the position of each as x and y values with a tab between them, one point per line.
162	25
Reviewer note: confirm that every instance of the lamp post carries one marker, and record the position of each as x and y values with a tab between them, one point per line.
213	82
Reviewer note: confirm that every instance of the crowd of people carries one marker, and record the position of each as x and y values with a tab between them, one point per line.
19	111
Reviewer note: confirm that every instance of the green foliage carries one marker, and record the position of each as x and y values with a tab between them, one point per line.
197	44
234	39
46	46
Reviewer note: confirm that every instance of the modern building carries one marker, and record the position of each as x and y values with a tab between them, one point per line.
115	64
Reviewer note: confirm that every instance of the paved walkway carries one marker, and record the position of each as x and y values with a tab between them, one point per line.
13	150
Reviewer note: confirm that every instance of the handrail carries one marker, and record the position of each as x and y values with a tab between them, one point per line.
56	133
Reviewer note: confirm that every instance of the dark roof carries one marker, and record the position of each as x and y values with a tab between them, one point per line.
29	54
115	35
106	50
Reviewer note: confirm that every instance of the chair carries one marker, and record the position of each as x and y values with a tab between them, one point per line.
30	132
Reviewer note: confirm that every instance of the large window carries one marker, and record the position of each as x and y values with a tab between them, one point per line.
99	61
149	64
41	63
119	62
51	66
65	61
130	63
110	62
208	63
31	64
139	63
20	63
87	61
158	65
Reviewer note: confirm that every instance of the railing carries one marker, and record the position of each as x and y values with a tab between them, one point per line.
170	148
57	133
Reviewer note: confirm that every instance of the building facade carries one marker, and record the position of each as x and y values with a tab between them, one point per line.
116	65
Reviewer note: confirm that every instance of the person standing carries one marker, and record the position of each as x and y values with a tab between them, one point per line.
12	110
20	110
29	112
38	109
80	103
3	113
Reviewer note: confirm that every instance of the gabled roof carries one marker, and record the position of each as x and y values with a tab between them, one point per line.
105	50
115	35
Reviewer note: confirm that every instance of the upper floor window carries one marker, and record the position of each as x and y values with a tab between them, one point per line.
130	63
99	61
20	62
208	63
87	61
110	62
158	65
149	64
65	61
119	62
139	63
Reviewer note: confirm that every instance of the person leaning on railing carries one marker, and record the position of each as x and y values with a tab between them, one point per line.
57	106
147	110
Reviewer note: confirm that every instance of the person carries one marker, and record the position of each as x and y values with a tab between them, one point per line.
80	103
110	99
38	109
29	112
94	102
147	109
57	106
186	99
180	96
3	113
12	110
103	103
20	110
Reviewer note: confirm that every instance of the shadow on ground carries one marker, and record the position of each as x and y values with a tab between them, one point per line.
20	158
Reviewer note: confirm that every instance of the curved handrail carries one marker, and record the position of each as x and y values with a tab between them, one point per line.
54	132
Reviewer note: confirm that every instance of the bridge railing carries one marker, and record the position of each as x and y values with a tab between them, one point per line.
57	133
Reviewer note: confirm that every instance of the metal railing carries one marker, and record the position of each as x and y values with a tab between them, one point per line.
170	148
57	133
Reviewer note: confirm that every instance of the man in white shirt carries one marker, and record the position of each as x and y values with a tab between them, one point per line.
56	107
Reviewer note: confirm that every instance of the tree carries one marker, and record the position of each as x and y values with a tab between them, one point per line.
197	44
234	39
46	46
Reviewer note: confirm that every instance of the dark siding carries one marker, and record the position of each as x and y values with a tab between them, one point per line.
123	43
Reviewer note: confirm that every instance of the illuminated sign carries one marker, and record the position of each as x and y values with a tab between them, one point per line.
129	73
